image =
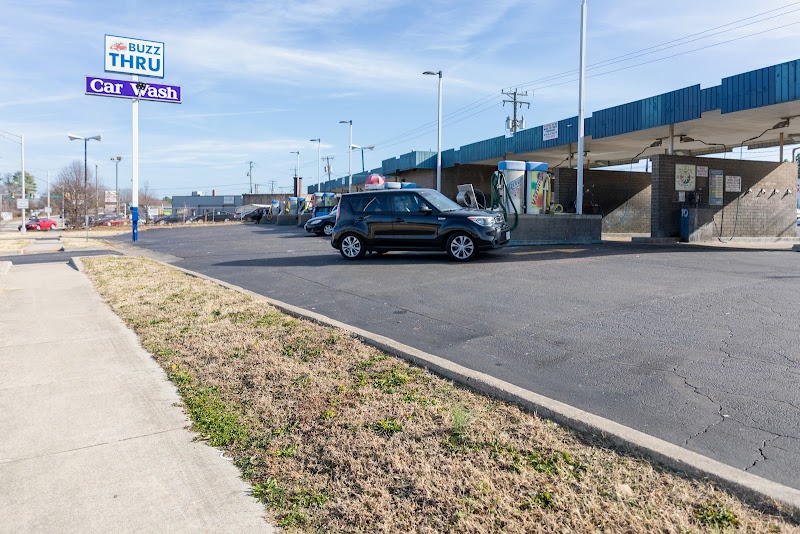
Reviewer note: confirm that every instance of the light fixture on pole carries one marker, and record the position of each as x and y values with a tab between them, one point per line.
319	145
362	148
22	168
439	132
116	160
349	158
85	176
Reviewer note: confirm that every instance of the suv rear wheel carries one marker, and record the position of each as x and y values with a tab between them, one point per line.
352	247
461	247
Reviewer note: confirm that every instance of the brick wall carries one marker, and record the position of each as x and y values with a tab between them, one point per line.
765	215
477	175
621	197
563	228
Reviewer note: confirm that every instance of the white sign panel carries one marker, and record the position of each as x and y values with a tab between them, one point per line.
48	210
111	197
227	200
685	177
702	172
550	131
134	56
22	203
733	184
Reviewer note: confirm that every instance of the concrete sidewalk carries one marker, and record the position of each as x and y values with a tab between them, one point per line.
91	439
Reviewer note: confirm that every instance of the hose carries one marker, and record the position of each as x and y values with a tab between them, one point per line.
498	181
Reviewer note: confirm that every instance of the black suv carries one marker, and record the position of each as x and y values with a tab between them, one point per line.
414	219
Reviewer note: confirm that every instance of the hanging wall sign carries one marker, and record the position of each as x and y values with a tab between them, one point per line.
685	177
715	184
733	184
550	131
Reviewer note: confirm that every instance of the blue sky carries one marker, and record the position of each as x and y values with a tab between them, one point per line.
261	78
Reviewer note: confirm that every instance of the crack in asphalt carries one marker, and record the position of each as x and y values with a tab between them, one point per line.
761	452
696	390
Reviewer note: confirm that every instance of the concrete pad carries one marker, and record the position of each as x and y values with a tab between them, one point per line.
92	438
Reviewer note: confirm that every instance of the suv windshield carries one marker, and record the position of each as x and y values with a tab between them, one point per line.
439	201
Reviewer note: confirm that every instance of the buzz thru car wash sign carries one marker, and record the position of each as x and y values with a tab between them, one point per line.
134	56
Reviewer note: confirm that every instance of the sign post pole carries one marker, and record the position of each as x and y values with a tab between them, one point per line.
135	165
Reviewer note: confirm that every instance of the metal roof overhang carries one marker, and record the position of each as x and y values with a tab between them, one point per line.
713	127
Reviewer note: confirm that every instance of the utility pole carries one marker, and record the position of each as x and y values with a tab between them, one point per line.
250	175
328	167
515	124
272	187
96	191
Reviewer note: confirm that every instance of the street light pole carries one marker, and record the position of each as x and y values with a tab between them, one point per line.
319	145
22	169
371	147
581	102
85	176
116	160
439	132
349	157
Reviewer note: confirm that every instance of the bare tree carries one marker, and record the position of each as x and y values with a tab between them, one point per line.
72	186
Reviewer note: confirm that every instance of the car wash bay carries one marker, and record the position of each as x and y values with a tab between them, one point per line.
697	346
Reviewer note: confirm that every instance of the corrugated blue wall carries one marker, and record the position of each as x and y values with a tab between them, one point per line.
486	149
450	158
668	108
390	166
532	138
762	87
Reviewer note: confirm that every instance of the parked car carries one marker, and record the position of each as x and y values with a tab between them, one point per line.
111	219
38	224
171	219
414	219
322	224
217	216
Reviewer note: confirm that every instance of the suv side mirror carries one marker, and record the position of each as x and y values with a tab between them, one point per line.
425	209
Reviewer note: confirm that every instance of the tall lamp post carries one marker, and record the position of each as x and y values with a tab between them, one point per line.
362	148
349	157
319	144
85	176
116	160
22	168
439	132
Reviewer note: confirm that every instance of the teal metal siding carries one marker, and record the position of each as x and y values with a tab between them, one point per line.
533	138
668	108
390	166
762	87
450	158
486	149
709	98
417	160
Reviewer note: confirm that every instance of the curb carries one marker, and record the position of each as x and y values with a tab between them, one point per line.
5	266
654	449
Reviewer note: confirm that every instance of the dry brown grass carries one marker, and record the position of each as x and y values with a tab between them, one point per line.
12	245
336	436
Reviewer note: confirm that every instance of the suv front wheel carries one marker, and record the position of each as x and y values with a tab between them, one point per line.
352	247
461	247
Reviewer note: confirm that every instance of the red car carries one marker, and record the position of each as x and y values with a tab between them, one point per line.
39	224
111	220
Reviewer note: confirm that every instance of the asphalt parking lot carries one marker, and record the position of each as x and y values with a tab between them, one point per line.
696	346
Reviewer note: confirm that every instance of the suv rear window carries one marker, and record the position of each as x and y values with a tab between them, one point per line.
368	203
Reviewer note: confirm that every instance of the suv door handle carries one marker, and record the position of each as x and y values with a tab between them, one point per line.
360	219
399	219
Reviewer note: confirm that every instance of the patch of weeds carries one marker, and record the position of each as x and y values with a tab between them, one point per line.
293	518
327	415
236	355
575	468
332	339
712	514
271	492
301	380
387	427
179	377
286	451
290	324
166	352
461	420
302	349
212	416
249	466
542	463
285	429
361	379
541	499
361	366
391	379
418	399
310	499
186	330
269	319
216	313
